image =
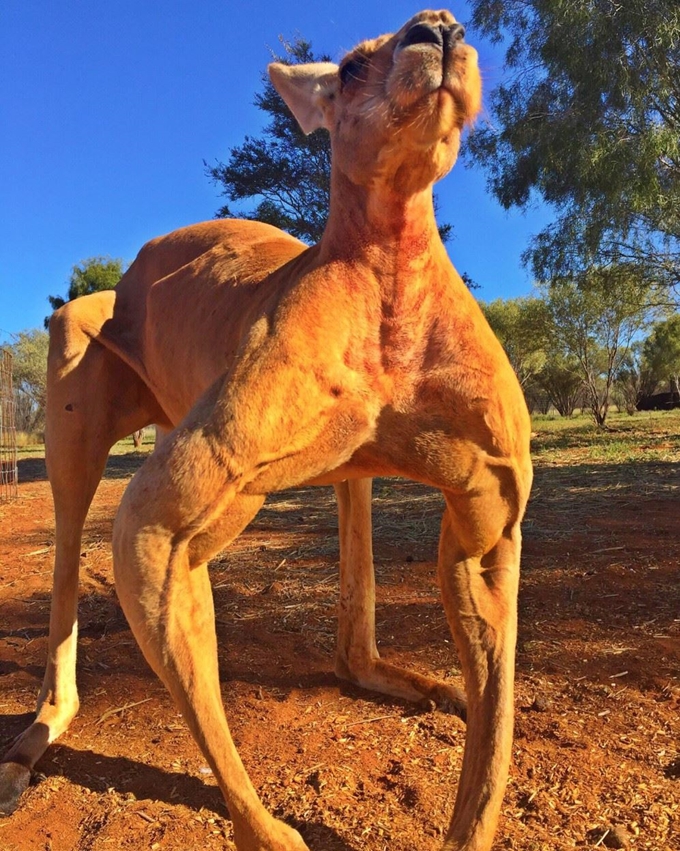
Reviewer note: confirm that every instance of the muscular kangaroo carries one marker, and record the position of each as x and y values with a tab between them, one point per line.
271	365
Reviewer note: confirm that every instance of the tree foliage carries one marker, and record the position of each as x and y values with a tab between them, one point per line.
29	372
284	172
582	342
89	276
588	119
661	351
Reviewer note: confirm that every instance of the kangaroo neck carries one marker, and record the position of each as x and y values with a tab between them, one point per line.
391	234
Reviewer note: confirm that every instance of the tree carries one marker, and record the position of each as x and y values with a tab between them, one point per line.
521	326
89	276
561	381
588	120
634	378
662	352
29	353
287	174
594	321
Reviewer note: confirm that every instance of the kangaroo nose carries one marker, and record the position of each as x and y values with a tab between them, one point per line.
440	35
423	34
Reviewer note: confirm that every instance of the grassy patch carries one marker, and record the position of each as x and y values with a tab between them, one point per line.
126	446
581	471
645	437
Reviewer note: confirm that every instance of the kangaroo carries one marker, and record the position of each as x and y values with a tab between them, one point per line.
271	364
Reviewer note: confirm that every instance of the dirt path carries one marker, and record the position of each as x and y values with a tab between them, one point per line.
598	698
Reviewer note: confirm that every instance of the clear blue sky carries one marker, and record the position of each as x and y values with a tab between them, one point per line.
108	110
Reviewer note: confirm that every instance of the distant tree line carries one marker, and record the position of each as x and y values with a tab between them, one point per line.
29	378
590	343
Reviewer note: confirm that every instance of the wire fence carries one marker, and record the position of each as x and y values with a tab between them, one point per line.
8	431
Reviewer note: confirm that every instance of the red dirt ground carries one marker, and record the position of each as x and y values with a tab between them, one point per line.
596	756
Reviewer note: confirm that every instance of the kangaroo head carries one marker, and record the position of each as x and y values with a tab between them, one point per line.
395	106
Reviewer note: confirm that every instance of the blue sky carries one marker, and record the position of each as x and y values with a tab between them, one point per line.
108	110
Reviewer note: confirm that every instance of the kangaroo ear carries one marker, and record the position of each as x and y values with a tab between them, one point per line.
308	91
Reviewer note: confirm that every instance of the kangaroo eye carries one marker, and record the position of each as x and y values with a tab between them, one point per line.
353	69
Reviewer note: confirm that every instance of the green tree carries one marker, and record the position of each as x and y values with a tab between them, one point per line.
662	352
521	325
284	172
588	119
594	321
89	276
29	367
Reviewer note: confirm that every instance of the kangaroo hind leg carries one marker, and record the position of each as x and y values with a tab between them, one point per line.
93	400
357	659
479	555
163	584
